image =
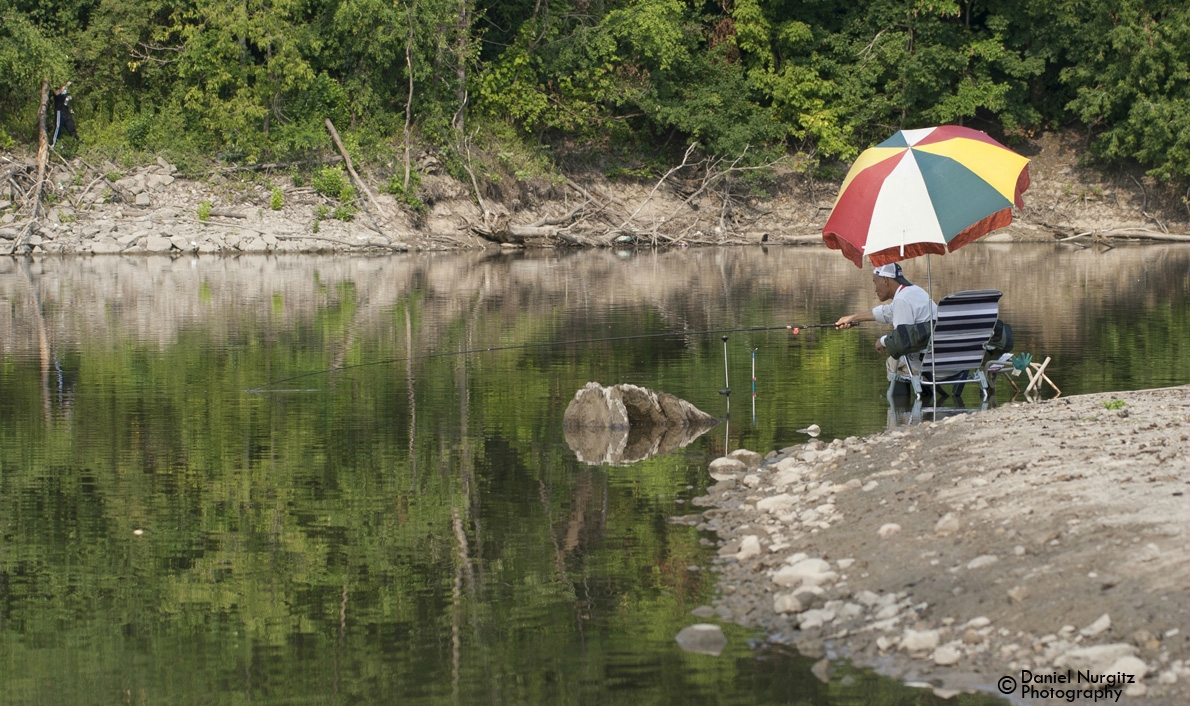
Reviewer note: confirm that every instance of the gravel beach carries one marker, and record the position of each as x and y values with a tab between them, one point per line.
1039	546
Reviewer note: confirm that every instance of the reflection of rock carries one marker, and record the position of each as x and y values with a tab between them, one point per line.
624	423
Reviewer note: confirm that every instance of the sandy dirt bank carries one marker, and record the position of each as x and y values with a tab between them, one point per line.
1036	539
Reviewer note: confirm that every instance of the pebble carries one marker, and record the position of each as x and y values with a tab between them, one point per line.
947	655
749	548
949	524
1101	625
919	640
981	561
888	530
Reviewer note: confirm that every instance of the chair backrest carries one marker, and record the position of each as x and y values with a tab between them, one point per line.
964	325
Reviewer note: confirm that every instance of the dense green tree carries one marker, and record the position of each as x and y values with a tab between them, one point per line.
248	78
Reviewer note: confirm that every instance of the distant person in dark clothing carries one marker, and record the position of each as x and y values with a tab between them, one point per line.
63	120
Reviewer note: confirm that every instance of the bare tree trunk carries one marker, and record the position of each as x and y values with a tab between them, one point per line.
43	156
43	147
464	29
409	100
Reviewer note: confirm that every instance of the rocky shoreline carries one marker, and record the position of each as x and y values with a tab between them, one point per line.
1034	541
154	208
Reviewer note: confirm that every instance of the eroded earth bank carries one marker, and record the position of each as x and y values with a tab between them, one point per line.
1028	540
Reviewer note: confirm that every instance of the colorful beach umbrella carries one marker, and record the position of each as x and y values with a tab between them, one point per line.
925	191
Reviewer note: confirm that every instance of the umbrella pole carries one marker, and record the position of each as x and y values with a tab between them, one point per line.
933	325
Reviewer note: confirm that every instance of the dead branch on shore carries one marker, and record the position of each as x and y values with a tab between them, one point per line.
359	182
1064	234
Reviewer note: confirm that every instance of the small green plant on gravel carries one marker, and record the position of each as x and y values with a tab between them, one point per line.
204	211
321	213
277	198
344	213
329	181
396	187
1115	404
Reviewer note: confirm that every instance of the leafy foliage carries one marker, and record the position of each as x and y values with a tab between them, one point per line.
247	79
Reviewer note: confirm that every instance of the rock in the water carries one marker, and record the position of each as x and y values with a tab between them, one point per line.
625	423
702	638
822	670
751	459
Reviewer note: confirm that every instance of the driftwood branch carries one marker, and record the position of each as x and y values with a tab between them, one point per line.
683	165
355	177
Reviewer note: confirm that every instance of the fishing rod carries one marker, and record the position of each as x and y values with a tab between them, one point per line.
792	328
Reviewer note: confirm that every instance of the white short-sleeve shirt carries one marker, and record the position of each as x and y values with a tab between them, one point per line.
910	305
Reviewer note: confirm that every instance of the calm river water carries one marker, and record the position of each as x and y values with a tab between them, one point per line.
194	510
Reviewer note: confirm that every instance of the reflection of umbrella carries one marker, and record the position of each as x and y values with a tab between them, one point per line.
925	191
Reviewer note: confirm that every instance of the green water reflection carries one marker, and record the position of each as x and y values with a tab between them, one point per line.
413	528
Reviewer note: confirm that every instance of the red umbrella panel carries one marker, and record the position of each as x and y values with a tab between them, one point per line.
924	191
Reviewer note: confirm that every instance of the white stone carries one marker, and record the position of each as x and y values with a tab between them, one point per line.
870	485
949	524
888	611
253	244
844	564
786	603
750	459
749	548
980	622
981	561
1129	664
1101	625
775	504
1097	658
815	618
888	530
1168	677
885	643
105	247
867	598
751	480
727	466
946	655
808	572
919	640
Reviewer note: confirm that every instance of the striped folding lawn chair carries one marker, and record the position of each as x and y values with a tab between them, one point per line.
964	325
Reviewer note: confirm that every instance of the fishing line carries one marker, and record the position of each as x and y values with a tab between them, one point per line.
794	329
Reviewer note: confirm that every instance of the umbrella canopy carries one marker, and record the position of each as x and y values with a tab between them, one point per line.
924	191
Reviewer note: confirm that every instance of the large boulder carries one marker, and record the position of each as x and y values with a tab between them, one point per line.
625	423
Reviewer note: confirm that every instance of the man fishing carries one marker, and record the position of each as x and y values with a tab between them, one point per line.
907	304
63	118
